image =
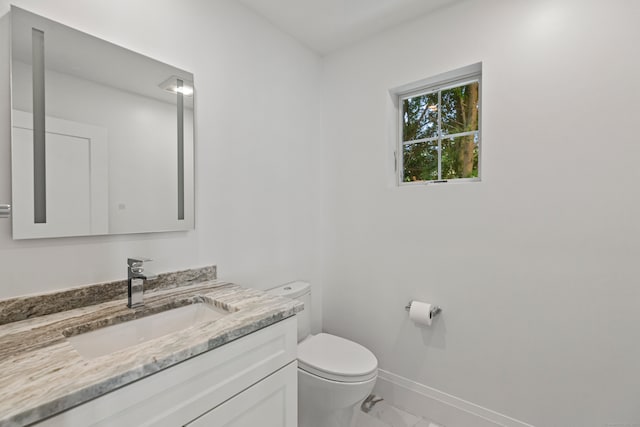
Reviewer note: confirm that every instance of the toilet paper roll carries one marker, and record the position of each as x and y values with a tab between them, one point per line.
420	313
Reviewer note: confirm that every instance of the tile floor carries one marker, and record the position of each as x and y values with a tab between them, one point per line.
384	415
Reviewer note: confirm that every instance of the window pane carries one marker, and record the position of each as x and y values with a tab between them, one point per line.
420	117
460	109
460	157
421	161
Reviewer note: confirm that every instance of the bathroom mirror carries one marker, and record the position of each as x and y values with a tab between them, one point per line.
102	137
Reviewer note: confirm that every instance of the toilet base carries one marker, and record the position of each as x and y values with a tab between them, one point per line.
328	403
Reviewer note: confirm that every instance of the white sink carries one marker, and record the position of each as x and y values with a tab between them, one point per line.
127	334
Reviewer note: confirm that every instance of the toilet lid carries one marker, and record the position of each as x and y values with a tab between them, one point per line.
335	358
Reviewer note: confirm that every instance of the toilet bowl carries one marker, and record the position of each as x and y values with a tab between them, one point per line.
335	375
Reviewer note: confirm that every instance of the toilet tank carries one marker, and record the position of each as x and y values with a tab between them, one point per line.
300	291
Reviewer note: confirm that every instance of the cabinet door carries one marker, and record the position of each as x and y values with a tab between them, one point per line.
272	402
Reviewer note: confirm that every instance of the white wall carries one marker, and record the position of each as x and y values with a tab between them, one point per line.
255	129
536	266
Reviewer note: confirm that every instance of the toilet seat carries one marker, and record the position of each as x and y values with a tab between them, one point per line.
337	359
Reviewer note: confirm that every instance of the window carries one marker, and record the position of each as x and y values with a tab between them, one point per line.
440	129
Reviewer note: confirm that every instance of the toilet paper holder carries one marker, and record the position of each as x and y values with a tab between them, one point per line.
433	313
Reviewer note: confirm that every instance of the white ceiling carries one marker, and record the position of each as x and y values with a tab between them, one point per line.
327	25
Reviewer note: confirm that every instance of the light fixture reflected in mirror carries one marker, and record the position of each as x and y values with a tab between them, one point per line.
172	85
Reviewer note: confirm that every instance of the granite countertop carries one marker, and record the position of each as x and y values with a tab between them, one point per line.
42	374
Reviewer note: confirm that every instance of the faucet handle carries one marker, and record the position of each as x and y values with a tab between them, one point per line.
137	262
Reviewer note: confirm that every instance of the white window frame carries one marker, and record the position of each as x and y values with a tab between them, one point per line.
455	78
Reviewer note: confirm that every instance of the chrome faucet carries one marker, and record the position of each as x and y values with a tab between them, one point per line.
136	278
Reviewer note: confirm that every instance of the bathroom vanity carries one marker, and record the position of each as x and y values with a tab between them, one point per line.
236	370
251	381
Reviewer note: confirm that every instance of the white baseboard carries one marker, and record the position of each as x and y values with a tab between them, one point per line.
441	407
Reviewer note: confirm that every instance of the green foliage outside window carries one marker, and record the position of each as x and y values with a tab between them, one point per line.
440	134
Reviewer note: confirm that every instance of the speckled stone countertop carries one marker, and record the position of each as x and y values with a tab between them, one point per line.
41	374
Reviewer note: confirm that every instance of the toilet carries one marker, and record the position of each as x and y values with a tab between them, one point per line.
335	375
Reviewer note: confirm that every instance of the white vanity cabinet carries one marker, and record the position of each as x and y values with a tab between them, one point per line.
249	382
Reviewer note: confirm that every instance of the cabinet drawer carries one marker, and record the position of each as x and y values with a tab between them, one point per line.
183	392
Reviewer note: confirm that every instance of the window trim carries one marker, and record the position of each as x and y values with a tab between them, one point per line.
438	83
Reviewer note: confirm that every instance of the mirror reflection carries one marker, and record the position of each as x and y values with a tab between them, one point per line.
102	137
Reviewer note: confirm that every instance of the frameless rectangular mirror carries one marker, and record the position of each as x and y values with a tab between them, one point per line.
102	137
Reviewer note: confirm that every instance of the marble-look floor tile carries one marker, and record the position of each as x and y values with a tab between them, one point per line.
392	416
427	423
385	415
366	420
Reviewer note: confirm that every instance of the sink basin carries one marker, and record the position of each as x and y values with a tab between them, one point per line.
127	334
